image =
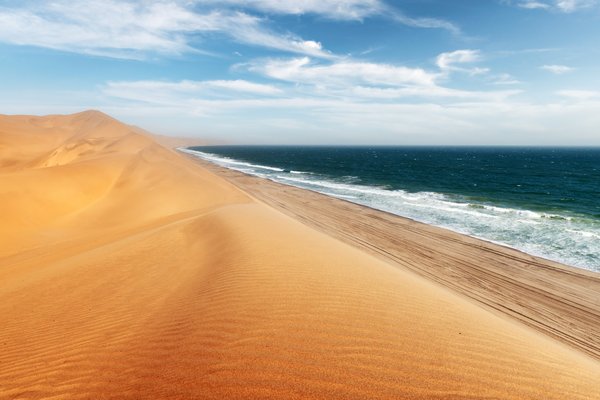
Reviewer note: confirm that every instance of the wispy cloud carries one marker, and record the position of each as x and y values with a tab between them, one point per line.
533	5
312	119
424	22
249	29
348	10
110	28
134	29
580	95
565	6
365	81
434	92
452	61
557	69
203	88
343	72
573	5
304	78
505	79
333	9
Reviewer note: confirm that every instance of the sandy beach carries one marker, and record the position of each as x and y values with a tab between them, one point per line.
128	270
557	299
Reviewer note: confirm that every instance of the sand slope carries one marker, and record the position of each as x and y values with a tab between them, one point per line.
556	299
126	271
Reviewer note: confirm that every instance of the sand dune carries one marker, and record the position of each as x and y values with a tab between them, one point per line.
127	271
556	299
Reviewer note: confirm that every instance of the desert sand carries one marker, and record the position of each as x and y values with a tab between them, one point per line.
557	299
130	271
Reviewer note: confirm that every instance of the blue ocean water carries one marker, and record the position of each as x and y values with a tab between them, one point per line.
544	201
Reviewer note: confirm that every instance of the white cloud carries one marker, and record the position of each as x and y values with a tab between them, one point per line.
248	29
244	86
164	92
132	29
338	10
557	69
137	28
505	79
302	79
448	62
565	6
431	23
361	114
365	81
435	92
533	5
343	72
580	95
351	121
573	5
102	28
334	9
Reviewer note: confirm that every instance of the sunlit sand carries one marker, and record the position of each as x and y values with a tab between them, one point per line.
128	270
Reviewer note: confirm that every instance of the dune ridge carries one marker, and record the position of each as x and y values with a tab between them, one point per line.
128	271
556	299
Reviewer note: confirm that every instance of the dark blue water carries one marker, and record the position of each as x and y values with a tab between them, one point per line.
541	200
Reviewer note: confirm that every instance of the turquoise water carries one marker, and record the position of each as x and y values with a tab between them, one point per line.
543	201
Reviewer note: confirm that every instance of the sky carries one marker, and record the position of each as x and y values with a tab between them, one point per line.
406	72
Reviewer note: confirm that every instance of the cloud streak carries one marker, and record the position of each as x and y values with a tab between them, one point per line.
580	95
564	6
190	88
353	121
449	61
344	80
345	10
131	29
344	72
557	69
428	23
332	9
137	29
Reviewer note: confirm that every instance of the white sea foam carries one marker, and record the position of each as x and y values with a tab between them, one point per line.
340	186
341	196
585	234
230	161
454	209
559	237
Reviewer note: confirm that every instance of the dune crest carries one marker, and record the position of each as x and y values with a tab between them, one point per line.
68	172
128	271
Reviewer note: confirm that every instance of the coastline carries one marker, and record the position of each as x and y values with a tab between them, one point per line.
129	271
556	299
544	215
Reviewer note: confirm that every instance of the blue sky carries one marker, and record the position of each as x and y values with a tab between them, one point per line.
506	72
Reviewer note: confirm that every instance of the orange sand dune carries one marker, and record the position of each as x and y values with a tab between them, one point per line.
127	271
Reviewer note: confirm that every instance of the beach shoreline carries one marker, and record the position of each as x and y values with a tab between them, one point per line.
560	300
507	197
129	271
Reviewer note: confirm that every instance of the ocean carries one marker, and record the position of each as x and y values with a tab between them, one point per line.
543	201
